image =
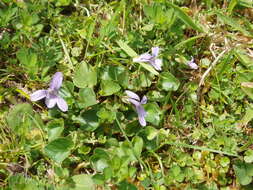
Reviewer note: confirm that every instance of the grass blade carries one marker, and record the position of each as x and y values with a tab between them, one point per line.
234	24
149	68
181	44
126	48
246	3
183	145
232	5
185	18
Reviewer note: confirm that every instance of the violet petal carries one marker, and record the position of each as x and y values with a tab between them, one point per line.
62	104
142	121
157	64
141	115
56	81
38	95
144	100
192	64
133	95
143	58
140	111
155	51
50	102
134	102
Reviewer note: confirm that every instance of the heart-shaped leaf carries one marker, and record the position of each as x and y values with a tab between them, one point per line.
83	182
137	145
84	76
19	114
168	82
153	113
87	97
243	172
59	149
109	87
55	128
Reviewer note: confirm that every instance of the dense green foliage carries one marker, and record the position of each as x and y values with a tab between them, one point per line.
199	130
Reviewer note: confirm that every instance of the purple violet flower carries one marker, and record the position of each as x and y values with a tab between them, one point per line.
192	64
151	58
137	102
52	93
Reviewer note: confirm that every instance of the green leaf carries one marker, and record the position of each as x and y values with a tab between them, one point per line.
168	82
29	19
249	168
244	172
106	115
84	150
7	14
151	132
118	74
100	159
126	186
153	113
108	173
149	68
158	15
28	60
129	51
88	120
137	146
61	172
19	182
83	182
19	115
87	97
84	76
127	153
98	179
144	80
185	18
224	161
109	87
133	128
59	149
55	128
67	91
248	156
175	170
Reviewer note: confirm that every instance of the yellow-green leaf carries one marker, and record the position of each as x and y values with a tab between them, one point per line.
126	48
149	68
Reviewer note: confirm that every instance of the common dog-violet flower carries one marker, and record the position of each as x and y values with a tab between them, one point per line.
137	102
52	93
151	58
192	64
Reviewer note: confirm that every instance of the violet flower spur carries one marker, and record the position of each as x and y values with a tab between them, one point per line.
192	64
137	102
151	58
52	93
